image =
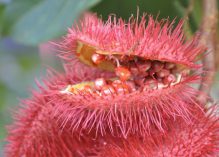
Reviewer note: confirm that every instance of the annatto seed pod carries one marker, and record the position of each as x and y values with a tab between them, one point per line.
144	96
158	54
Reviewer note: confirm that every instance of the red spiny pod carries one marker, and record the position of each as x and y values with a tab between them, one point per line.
75	116
198	139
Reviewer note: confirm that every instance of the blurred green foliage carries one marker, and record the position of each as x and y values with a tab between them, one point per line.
49	18
125	8
32	22
13	11
35	21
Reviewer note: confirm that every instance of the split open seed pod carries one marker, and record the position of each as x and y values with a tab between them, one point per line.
152	67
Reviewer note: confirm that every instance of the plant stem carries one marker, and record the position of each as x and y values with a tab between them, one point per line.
208	39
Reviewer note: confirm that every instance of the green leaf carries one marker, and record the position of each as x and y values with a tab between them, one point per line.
191	25
197	12
13	11
124	8
48	19
180	8
2	7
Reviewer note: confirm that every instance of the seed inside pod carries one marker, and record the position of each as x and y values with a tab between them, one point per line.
123	73
131	73
97	58
108	90
157	66
99	83
163	73
122	89
169	79
145	66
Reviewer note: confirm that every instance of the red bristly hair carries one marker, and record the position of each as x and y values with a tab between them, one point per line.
165	122
37	133
149	39
199	139
136	112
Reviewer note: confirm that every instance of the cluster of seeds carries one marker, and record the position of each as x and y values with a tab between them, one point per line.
143	72
102	87
140	71
132	73
107	87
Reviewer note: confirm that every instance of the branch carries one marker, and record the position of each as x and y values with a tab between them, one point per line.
208	38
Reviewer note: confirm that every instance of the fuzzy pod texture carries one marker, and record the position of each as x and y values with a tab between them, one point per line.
199	139
37	133
145	37
164	122
138	111
135	113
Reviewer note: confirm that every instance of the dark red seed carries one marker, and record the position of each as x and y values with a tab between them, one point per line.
125	59
139	80
163	73
99	83
145	66
169	79
109	81
157	66
123	73
150	81
134	71
131	86
97	58
169	65
145	74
